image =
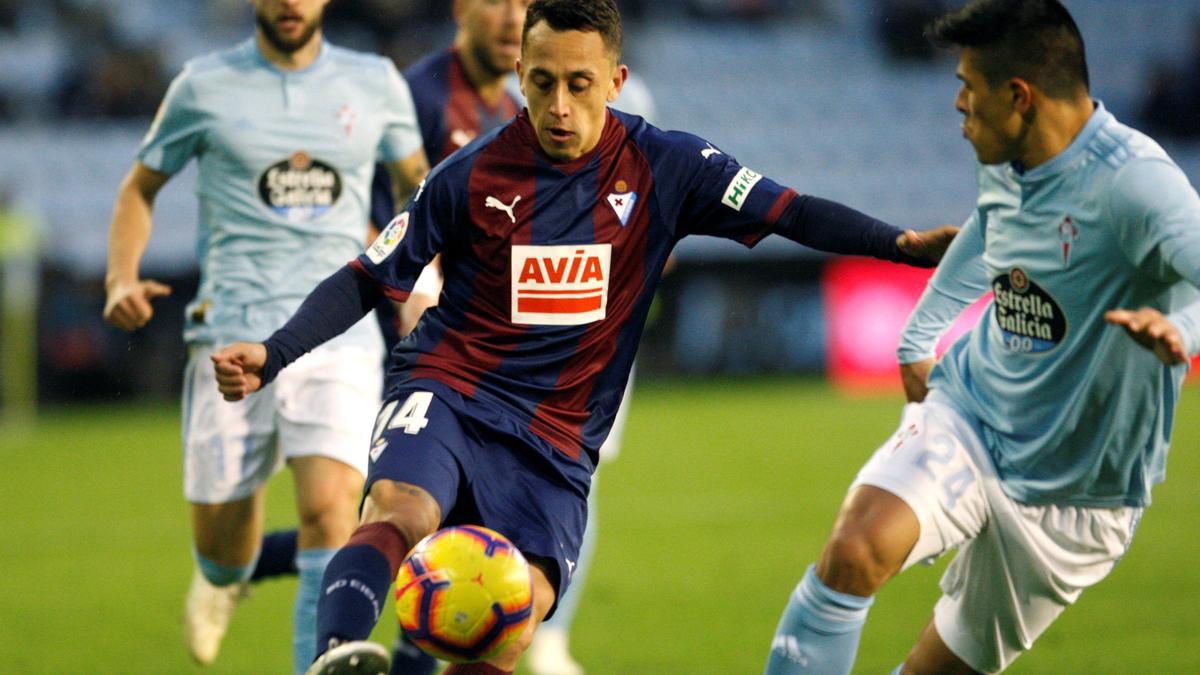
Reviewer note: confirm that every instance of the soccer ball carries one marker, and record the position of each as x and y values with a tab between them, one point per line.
464	594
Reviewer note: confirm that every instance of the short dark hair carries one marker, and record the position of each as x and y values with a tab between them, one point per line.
601	16
1035	40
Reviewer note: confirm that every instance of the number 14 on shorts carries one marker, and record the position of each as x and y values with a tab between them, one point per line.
412	416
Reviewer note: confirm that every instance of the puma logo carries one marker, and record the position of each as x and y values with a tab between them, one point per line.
709	151
492	202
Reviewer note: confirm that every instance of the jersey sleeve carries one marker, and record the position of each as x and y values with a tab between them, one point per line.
395	259
177	131
401	135
960	280
1156	213
721	197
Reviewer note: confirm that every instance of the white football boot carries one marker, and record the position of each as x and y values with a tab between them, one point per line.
206	616
360	657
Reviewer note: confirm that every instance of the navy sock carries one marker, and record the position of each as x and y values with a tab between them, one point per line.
408	659
277	556
356	582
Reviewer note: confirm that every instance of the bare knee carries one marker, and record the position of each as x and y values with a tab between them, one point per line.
325	524
852	564
327	495
871	539
411	509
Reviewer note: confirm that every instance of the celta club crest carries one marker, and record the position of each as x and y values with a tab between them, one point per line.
347	117
1067	233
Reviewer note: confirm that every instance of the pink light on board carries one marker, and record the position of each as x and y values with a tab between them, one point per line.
867	303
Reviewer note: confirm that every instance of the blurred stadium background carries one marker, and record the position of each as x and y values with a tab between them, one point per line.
766	377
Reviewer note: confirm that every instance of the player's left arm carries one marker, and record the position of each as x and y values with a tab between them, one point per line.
829	226
726	199
959	280
1156	215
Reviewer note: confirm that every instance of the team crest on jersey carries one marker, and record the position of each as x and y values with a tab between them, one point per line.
1067	234
739	188
560	285
1029	319
622	204
389	239
347	116
300	187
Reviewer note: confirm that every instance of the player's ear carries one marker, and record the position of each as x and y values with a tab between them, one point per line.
1022	95
620	75
521	79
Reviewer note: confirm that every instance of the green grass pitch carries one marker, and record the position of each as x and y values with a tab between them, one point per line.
723	493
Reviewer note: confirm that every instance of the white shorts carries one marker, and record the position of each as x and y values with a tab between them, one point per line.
323	404
1019	565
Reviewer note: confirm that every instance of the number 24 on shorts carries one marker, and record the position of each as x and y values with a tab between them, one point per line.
411	415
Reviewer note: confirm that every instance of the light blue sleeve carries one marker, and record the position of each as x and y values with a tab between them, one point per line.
959	281
1156	213
177	131
401	135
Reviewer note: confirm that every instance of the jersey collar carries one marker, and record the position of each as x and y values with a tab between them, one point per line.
1066	158
609	138
251	46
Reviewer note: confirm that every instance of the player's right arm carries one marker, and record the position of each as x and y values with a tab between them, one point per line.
389	268
959	281
128	297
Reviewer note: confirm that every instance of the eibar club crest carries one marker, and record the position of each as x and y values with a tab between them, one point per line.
622	203
1067	233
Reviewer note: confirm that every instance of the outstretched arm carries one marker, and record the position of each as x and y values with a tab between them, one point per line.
1153	330
333	307
829	226
1156	213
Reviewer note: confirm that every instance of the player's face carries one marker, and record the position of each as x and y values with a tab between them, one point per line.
289	24
568	78
491	30
992	121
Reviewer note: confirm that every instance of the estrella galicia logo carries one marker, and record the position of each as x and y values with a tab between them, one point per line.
1029	319
300	187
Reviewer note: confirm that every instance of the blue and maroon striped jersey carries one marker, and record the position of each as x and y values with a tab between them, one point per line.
450	114
449	109
550	268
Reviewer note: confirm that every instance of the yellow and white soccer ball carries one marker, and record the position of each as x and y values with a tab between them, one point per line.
464	594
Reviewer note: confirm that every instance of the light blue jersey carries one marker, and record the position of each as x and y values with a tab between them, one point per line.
1071	409
285	165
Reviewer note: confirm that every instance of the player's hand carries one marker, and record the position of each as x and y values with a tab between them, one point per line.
915	378
239	369
928	245
128	304
1151	329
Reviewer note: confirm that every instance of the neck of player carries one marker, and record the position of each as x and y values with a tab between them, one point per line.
484	80
295	60
1055	125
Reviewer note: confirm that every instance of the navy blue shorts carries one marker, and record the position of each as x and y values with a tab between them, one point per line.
482	475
